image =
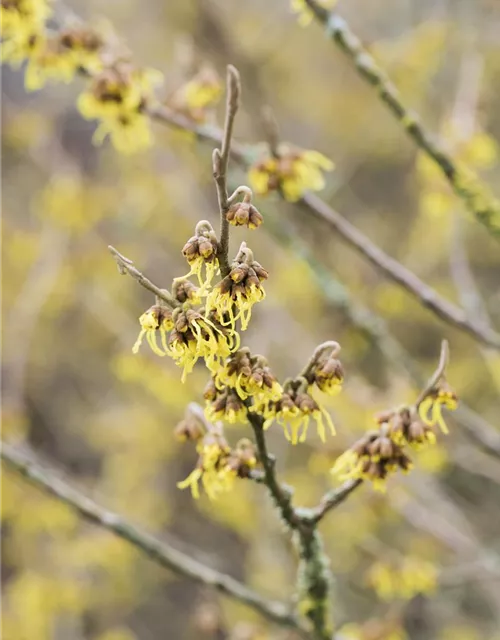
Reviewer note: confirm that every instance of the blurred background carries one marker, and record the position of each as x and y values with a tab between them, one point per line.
103	418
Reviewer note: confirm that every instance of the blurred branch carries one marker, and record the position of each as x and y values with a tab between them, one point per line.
127	266
427	296
476	196
220	161
160	552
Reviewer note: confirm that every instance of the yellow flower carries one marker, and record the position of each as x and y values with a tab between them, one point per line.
201	253
373	457
411	577
293	173
218	466
233	298
200	94
157	318
250	376
21	18
304	13
293	411
117	97
430	409
196	336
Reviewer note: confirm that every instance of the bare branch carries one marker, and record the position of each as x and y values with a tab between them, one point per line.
159	551
332	499
426	295
475	195
438	373
127	266
220	159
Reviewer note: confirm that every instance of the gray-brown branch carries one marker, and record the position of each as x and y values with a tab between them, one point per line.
159	551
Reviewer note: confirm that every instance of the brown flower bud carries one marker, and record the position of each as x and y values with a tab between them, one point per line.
261	273
206	248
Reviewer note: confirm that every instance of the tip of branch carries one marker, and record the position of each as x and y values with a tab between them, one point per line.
445	354
233	86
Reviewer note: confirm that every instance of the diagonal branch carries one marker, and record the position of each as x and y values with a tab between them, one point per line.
402	276
159	551
127	266
476	196
332	499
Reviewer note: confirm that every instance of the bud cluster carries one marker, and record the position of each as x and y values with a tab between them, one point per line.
250	376
373	457
201	251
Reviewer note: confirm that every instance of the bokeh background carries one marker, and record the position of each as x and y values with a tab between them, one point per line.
104	419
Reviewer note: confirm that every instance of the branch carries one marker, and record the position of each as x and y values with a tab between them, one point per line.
314	577
220	159
476	196
280	494
426	295
160	552
127	266
332	499
438	373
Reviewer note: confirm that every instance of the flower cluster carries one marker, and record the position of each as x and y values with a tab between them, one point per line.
201	253
201	322
224	403
118	97
402	581
244	214
250	376
218	464
294	410
157	318
373	457
233	297
292	172
380	452
197	98
118	93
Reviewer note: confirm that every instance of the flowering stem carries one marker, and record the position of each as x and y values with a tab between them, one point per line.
314	577
437	375
329	345
465	184
159	551
127	266
220	159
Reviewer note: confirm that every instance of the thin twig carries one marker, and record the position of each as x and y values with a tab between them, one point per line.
476	196
332	499
438	373
159	551
220	159
127	266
